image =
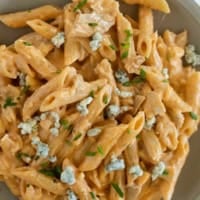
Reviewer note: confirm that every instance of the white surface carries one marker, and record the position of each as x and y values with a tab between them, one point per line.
185	15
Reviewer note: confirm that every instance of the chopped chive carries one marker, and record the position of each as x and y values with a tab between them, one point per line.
193	115
51	171
93	196
165	81
77	137
19	155
90	153
128	33
44	164
100	150
138	137
143	74
80	5
9	102
91	94
117	189
65	124
165	173
113	47
125	45
129	131
124	55
93	24
105	100
27	43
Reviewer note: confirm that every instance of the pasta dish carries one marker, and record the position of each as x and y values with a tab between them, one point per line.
96	105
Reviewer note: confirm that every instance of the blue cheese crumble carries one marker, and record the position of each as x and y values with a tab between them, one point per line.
42	149
52	159
113	111
121	76
94	132
158	170
123	94
54	131
28	127
68	176
150	122
136	170
82	106
115	165
59	39
191	57
71	195
95	43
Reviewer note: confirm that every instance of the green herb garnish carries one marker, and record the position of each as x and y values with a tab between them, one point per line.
27	43
91	94
117	189
165	81
58	71
113	47
165	173
193	115
69	142
25	89
91	153
19	155
9	102
100	150
138	79
80	5
124	55
65	124
93	24
93	196
105	99
78	137
51	171
128	34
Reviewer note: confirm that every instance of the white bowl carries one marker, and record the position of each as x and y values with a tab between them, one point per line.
185	15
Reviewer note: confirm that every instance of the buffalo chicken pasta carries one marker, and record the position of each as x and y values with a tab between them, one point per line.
96	105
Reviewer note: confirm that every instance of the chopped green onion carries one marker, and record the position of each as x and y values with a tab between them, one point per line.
93	196
124	55
165	81
128	34
105	100
90	153
27	43
93	24
25	89
100	150
113	47
9	102
78	137
117	189
193	115
51	171
58	71
65	124
165	173
19	155
138	137
91	94
129	131
80	5
143	74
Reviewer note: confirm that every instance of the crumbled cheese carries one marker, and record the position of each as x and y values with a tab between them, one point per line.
93	132
96	41
26	159
121	76
57	124
55	116
28	127
113	111
43	116
165	73
52	159
115	164
82	106
150	122
158	170
59	39
191	57
124	109
37	118
41	148
68	176
71	195
54	131
22	79
136	170
123	94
